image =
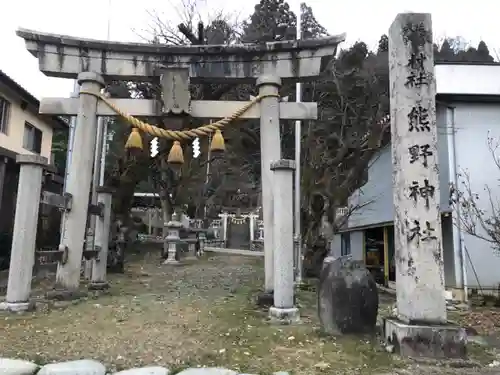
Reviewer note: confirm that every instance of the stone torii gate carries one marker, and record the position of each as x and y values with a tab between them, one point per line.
94	62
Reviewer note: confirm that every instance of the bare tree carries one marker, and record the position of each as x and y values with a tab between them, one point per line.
479	214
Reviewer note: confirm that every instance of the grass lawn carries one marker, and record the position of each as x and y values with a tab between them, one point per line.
200	313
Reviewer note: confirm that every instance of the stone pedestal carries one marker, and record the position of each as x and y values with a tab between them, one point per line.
283	309
79	182
102	227
421	321
270	151
24	236
420	340
172	240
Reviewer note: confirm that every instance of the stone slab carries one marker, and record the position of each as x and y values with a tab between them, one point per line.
152	370
79	367
17	367
172	262
32	159
66	56
223	250
430	341
17	306
208	371
208	109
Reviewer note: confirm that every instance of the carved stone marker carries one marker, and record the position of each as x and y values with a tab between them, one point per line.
347	297
420	288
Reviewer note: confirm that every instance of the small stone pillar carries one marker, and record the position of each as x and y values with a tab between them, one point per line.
202	237
79	182
172	240
283	309
102	227
24	236
270	146
224	217
420	328
191	249
251	218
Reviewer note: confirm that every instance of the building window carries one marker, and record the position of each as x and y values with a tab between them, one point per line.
4	115
345	244
32	138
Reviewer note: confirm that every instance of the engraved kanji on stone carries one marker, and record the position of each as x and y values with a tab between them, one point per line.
420	152
416	34
417	79
425	191
418	119
417	76
417	233
427	233
416	61
414	231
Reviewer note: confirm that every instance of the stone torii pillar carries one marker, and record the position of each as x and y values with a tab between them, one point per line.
102	227
79	182
270	151
24	235
266	64
420	328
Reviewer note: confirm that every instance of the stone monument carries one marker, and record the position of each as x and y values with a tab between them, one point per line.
347	297
95	62
420	327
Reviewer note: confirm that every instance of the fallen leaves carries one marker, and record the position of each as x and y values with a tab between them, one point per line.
198	314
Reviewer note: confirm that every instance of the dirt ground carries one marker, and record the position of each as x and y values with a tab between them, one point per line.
200	313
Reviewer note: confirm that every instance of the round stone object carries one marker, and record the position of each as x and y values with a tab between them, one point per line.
347	297
207	371
17	367
79	367
152	370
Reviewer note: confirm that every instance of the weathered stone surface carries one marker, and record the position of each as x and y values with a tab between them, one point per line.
208	371
431	341
61	56
347	297
17	367
80	367
152	370
417	220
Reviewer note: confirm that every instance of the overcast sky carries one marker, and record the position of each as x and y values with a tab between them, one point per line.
361	19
